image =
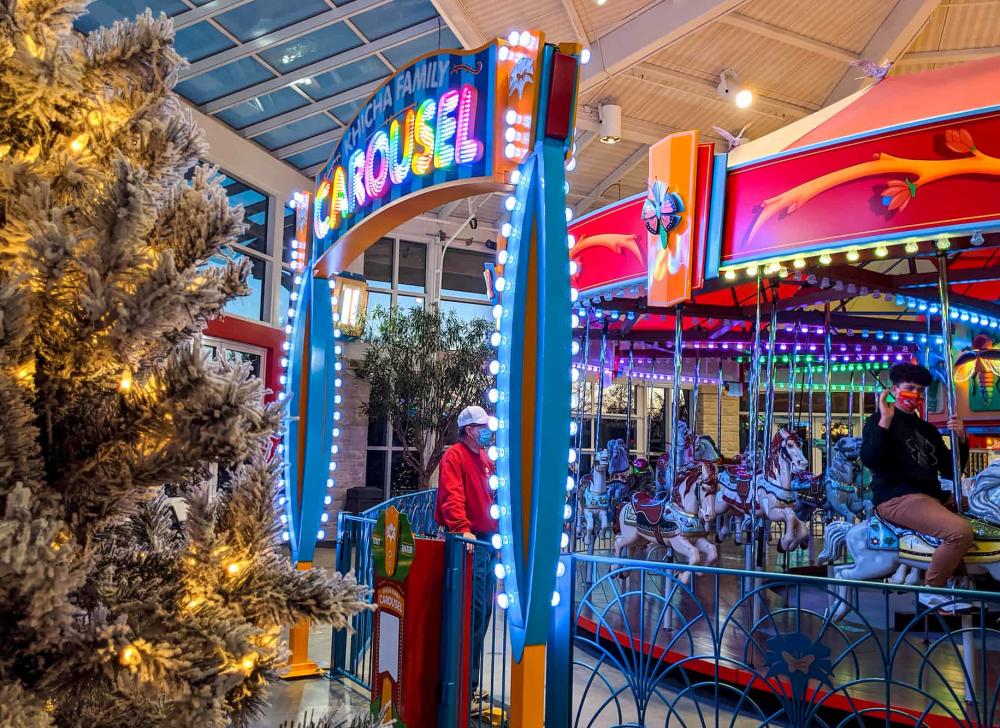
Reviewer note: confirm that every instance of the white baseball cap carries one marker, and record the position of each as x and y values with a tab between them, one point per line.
473	415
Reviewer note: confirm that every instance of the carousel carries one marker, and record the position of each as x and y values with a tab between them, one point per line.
734	327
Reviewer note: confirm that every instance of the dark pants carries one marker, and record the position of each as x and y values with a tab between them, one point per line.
928	515
483	589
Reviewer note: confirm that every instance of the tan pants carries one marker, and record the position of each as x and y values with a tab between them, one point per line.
927	515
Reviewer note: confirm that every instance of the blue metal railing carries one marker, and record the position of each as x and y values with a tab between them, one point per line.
418	507
654	644
350	649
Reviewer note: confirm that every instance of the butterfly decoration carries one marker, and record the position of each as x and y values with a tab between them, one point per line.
798	664
661	212
521	75
981	365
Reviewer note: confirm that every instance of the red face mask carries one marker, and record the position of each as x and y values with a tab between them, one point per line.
911	401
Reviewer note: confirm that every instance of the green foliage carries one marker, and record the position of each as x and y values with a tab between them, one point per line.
424	368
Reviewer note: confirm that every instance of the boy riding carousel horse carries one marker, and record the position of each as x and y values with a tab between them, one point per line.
906	454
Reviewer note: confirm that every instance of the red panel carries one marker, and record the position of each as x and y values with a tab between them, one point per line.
831	197
562	92
610	246
703	191
247	332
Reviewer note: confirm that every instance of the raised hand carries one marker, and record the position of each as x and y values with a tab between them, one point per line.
885	409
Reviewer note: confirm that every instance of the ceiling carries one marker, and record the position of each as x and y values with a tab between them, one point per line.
289	75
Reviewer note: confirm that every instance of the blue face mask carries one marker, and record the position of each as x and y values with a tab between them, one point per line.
485	437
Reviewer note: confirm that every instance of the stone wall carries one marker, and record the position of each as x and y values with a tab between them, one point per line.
708	418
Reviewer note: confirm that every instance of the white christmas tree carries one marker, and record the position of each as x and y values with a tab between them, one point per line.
111	615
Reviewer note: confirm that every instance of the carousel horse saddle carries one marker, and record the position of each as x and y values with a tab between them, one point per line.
884	535
741	477
648	509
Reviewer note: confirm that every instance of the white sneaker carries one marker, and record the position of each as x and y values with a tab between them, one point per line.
943	604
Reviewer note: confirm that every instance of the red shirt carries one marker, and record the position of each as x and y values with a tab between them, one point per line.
464	496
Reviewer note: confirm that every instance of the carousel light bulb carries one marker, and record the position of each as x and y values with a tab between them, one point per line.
564	541
567	511
500	284
497	311
493	395
853	255
585	56
825	259
569	483
575	348
494	367
730	275
911	247
499	571
497	541
942	243
509	203
571	241
495	512
572	456
573	428
751	270
495	338
506	230
560	569
555	598
503	601
493	454
494	482
799	262
881	251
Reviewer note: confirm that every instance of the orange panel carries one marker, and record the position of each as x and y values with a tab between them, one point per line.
673	160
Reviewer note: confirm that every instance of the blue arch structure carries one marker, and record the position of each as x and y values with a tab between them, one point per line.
529	87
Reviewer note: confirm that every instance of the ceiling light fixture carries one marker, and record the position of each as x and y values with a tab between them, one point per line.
730	88
610	116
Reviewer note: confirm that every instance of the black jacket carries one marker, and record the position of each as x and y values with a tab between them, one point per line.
906	458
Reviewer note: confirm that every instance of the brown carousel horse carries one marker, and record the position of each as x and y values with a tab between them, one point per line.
678	519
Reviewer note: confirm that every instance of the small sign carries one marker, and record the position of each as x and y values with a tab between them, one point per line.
393	545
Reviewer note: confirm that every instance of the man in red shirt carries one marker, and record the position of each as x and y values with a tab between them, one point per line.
463	508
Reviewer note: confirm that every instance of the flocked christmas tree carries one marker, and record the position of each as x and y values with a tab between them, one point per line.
111	615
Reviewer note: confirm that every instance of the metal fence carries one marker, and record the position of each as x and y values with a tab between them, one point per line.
643	644
418	507
350	654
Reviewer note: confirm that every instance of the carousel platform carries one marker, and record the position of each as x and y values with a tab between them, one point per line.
770	644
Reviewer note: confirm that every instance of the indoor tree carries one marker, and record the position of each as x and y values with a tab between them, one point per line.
423	368
112	616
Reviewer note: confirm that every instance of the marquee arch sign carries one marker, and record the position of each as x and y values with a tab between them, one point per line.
450	125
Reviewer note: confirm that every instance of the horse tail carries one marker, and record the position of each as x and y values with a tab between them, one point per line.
834	539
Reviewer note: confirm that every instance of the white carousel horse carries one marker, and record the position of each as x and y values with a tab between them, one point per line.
880	549
679	520
595	502
842	492
774	490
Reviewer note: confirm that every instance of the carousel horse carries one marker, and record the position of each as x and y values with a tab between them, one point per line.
595	501
679	519
879	548
774	490
693	448
843	495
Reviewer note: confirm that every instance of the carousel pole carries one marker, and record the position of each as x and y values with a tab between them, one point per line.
769	400
949	382
675	399
850	407
752	404
718	403
580	420
600	386
861	400
810	429
693	409
827	386
628	404
650	397
792	362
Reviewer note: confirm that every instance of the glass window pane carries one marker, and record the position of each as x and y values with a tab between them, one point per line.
255	209
405	302
227	79
106	12
252	305
377	299
235	356
375	469
210	350
262	107
402	477
412	266
386	19
316	155
462	274
346	112
285	295
378	264
312	47
200	41
467	311
346	77
264	16
377	429
296	131
402	54
287	235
